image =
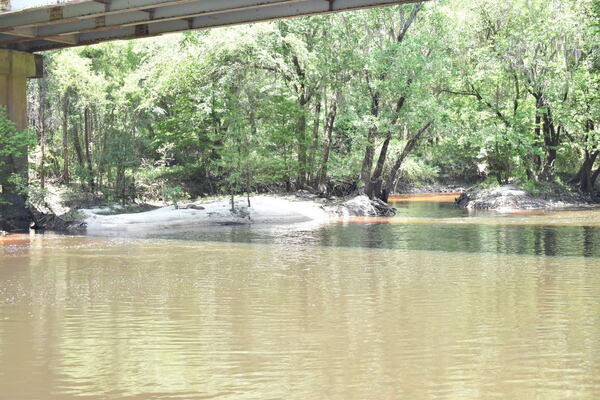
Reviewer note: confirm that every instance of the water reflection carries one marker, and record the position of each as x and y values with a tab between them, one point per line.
131	319
502	239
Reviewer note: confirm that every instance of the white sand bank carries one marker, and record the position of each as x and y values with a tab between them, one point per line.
263	210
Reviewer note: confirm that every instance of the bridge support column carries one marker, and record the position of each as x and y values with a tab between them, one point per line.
15	68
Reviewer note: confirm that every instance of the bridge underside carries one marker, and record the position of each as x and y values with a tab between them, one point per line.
55	23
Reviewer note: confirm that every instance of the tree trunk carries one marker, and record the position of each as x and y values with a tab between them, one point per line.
388	186
551	136
87	138
65	140
330	121
375	185
303	94
595	176
367	164
102	152
43	139
77	145
537	160
584	178
302	148
315	142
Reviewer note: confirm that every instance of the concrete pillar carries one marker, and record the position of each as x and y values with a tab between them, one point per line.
15	68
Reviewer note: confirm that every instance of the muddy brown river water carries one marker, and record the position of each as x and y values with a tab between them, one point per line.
432	304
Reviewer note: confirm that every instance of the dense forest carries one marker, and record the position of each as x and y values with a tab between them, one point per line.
446	91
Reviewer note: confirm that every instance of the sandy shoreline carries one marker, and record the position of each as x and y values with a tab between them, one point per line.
263	210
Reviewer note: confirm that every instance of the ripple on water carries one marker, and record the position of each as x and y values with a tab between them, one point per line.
138	319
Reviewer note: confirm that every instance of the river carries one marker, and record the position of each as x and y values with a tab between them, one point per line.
435	303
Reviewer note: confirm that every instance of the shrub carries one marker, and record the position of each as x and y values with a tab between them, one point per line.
417	171
13	145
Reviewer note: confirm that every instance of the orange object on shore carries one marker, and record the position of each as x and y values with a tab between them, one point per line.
422	197
15	238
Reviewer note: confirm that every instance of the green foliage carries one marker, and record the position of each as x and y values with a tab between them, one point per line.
531	186
416	171
549	189
35	194
488	183
244	109
13	145
174	194
73	215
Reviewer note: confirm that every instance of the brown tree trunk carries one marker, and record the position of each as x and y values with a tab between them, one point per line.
551	136
77	145
595	176
538	131
388	186
302	148
65	141
584	178
376	185
303	97
87	138
315	143
42	118
330	121
102	153
367	164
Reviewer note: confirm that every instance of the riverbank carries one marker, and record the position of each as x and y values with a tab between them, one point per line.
513	198
279	209
263	210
